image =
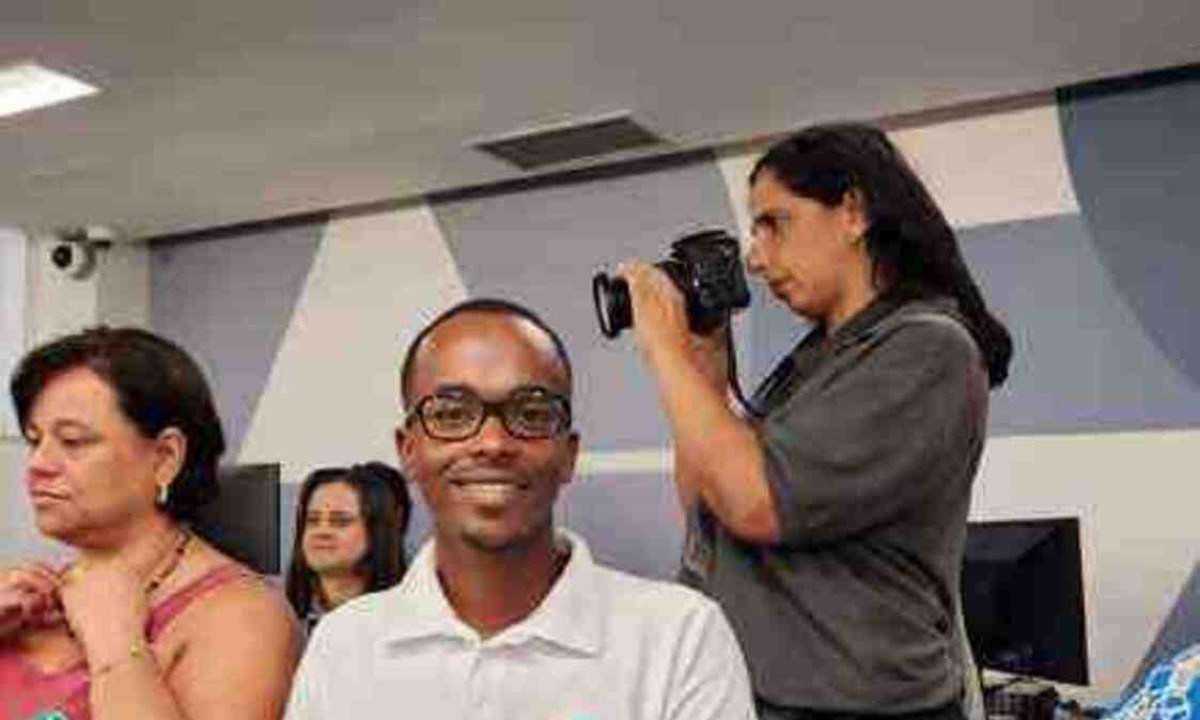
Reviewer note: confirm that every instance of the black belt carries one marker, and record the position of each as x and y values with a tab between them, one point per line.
766	711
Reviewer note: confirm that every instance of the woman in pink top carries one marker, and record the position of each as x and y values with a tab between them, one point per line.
147	621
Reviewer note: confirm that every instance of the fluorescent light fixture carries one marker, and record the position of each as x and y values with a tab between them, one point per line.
28	86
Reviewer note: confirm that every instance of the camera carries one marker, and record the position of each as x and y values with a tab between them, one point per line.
75	252
706	266
75	259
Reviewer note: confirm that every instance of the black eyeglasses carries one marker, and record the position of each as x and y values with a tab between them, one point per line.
528	413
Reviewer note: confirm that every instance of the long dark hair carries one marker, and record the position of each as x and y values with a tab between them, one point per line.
157	384
912	247
385	506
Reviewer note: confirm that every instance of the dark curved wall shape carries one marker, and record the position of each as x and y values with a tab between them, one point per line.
1133	148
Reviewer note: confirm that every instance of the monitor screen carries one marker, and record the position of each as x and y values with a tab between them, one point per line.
243	522
1022	591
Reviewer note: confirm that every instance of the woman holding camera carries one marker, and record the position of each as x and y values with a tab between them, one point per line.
147	621
830	524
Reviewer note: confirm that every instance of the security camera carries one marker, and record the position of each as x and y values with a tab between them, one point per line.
75	252
74	259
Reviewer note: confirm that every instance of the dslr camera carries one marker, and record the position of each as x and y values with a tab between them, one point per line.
706	266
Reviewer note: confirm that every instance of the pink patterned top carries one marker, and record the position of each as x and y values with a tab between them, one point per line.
29	693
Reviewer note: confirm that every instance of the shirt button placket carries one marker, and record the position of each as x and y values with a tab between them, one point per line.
476	687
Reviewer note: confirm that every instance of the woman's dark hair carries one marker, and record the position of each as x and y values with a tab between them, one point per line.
158	386
913	249
385	506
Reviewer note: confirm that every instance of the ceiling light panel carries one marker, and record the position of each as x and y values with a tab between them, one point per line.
28	86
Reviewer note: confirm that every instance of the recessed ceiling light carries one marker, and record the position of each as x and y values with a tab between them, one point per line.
29	86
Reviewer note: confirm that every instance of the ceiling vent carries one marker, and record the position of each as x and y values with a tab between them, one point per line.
534	149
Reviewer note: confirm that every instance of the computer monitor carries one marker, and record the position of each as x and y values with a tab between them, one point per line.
1022	592
243	522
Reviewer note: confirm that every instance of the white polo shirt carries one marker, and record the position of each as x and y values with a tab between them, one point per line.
602	645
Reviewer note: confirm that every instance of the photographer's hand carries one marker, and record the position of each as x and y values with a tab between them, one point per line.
660	325
659	315
710	354
717	456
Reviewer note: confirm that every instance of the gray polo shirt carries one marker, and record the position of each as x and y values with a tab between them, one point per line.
871	439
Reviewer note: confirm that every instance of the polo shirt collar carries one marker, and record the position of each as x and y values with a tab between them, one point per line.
570	616
866	320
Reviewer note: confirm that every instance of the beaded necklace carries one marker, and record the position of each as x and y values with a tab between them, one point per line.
176	556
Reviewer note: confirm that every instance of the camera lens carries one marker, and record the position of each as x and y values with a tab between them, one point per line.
61	256
614	310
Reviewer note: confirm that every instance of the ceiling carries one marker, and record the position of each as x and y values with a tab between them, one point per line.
223	112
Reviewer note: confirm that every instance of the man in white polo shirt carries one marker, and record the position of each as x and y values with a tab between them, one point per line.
500	616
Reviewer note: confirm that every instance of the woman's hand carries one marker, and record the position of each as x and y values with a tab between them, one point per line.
28	598
717	456
105	606
659	313
710	353
660	325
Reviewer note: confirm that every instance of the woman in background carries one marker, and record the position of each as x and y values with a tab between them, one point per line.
349	540
147	621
